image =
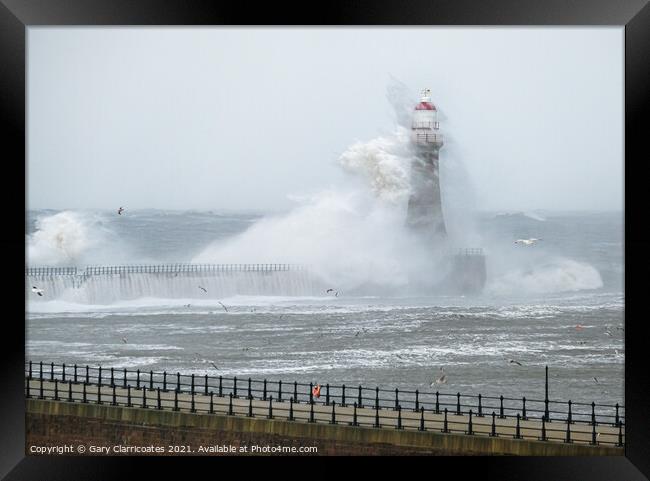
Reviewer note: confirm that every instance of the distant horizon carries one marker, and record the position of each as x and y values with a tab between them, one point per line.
281	211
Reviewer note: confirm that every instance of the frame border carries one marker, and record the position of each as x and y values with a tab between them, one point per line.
17	15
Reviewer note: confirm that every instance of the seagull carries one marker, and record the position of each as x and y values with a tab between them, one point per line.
527	242
329	290
225	308
186	305
124	340
514	362
596	380
120	210
337	294
441	380
214	365
203	289
621	328
37	290
608	333
357	333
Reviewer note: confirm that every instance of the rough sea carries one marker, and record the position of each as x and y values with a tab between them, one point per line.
558	303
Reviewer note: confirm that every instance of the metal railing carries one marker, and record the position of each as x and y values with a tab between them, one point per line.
545	420
50	271
426	138
469	251
160	269
425	124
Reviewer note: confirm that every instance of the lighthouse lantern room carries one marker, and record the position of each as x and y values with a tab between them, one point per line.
425	122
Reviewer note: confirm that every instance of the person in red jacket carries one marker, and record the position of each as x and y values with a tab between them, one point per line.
316	391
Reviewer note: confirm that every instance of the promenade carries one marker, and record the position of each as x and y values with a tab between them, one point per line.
488	425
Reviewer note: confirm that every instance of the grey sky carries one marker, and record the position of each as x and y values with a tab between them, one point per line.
237	118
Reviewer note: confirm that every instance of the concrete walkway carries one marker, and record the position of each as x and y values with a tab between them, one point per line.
580	432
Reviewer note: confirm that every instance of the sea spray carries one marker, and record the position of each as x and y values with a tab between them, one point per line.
351	238
73	238
347	238
547	275
384	163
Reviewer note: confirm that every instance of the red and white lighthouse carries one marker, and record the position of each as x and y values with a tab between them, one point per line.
424	207
467	271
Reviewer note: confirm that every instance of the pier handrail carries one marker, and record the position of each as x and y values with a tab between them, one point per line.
50	271
160	269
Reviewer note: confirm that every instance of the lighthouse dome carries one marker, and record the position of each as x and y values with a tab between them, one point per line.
425	101
425	106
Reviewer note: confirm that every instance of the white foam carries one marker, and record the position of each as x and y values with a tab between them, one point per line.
384	163
73	238
348	239
557	275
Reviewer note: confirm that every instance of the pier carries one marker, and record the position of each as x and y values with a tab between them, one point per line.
108	283
343	419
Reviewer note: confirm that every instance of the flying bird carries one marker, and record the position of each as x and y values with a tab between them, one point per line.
357	333
120	210
441	380
620	328
203	289
329	290
37	290
596	380
214	365
225	308
527	242
512	361
124	340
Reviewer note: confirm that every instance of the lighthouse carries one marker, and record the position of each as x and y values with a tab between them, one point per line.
424	213
465	269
